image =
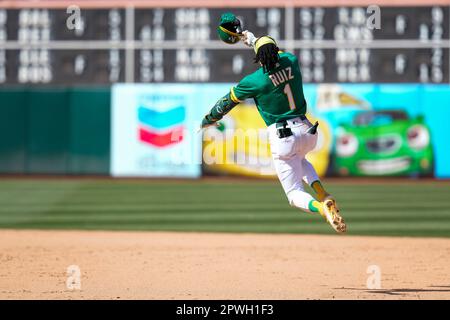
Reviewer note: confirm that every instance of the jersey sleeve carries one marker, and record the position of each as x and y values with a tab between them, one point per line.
245	89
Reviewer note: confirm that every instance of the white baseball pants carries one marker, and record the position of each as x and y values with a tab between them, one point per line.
289	160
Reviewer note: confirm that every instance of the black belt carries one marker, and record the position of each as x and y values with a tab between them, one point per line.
283	132
284	123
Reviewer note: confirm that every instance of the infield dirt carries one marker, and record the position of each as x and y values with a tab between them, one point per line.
166	265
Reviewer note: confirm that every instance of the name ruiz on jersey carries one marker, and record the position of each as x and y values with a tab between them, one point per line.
281	76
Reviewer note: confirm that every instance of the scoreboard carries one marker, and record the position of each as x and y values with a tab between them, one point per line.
109	45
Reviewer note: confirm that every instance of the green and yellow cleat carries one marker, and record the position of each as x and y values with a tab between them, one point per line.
331	214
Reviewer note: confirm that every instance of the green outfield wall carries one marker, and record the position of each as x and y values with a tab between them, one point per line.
400	129
55	131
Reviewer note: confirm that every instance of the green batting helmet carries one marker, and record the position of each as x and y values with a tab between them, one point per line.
229	29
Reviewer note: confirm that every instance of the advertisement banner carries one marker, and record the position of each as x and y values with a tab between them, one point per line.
153	131
240	145
385	129
365	130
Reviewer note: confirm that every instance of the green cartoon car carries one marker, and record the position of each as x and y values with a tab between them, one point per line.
383	143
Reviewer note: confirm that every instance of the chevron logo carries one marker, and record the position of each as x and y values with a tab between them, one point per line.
161	128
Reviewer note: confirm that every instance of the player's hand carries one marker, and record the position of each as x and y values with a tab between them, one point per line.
248	38
207	123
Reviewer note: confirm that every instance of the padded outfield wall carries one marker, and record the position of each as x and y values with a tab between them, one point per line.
55	131
71	130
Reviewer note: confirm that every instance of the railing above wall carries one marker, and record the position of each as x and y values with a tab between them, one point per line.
211	4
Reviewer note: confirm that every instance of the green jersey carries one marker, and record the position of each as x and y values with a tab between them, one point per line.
278	94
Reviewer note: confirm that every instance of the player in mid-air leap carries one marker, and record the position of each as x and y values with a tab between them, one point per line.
277	89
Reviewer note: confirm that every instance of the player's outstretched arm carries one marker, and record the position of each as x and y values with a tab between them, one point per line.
220	109
248	38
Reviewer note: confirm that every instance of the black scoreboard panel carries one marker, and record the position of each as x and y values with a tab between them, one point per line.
100	66
193	65
428	65
98	24
201	23
40	66
374	65
425	23
334	44
350	23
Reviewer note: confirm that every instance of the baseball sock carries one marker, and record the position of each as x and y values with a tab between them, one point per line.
300	199
320	191
315	206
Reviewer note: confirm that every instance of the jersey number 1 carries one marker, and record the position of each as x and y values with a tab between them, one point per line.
287	91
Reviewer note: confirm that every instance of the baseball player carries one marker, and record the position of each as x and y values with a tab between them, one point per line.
277	90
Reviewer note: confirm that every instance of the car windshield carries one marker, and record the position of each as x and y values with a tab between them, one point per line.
378	117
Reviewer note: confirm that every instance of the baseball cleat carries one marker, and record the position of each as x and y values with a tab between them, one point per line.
331	214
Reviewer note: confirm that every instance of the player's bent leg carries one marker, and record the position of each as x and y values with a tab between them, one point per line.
290	172
322	194
327	209
330	210
327	206
312	179
318	188
304	201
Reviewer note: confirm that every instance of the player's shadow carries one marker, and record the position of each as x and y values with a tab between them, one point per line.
401	291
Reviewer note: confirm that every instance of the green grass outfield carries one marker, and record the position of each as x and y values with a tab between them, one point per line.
407	208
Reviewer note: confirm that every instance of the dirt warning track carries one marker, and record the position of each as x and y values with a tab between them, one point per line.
166	265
